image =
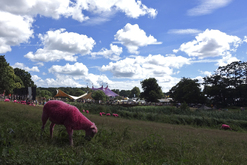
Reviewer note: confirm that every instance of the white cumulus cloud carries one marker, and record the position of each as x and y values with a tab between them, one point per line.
227	60
75	9
133	37
77	72
77	69
10	33
60	44
131	8
54	8
59	81
210	43
112	54
144	67
97	80
22	66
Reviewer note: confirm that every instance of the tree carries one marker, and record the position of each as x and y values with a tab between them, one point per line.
99	95
227	86
3	74
124	93
135	92
25	77
18	82
8	79
45	93
187	90
115	91
11	80
151	90
79	92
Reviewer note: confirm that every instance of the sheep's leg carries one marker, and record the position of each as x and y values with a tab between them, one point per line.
70	132
51	129
44	120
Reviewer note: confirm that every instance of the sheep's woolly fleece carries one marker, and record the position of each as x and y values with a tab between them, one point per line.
62	113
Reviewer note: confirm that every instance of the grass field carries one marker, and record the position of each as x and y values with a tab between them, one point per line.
119	141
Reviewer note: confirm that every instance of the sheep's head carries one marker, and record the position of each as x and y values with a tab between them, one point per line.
91	132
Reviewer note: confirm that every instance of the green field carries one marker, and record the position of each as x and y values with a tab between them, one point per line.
119	141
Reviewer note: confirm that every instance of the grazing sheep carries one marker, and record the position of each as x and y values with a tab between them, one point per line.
6	100
224	126
83	110
87	111
108	114
115	115
103	113
61	113
100	114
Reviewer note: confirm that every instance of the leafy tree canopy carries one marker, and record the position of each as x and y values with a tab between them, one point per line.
25	77
99	95
8	79
151	90
135	92
227	86
187	90
124	93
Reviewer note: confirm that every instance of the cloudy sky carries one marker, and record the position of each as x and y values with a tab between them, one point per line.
75	43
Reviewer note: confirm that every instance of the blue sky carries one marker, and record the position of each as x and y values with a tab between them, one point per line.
75	43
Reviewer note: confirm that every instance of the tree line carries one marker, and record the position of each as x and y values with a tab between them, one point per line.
226	87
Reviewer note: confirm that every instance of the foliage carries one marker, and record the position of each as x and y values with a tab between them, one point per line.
99	95
8	79
168	114
115	91
227	86
18	82
135	92
25	77
187	90
118	98
151	90
45	92
184	106
124	93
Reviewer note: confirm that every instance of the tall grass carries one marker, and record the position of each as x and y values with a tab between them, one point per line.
173	115
119	141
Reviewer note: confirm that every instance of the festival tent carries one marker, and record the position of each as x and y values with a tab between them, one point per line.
60	93
106	90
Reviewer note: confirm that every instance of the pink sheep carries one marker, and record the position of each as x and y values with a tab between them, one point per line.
61	113
108	114
15	101
83	110
100	114
115	115
6	100
224	126
87	111
103	113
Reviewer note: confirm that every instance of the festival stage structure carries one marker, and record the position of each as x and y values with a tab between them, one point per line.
85	96
106	90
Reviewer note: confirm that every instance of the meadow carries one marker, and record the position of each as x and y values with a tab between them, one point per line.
142	135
